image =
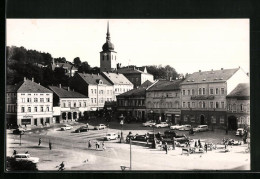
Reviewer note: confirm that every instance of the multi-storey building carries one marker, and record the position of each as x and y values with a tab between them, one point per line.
238	106
136	76
163	101
95	87
204	95
120	82
29	103
70	69
71	105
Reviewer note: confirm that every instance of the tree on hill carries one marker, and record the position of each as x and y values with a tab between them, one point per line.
77	62
84	68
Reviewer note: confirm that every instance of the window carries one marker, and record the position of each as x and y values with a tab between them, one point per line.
222	91
64	105
203	104
75	104
23	100
95	100
95	91
188	92
188	104
221	120
200	104
193	104
192	118
22	109
48	99
211	104
193	92
203	91
69	104
222	105
41	108
91	91
217	105
199	91
211	91
29	100
183	104
213	119
29	109
186	118
35	109
35	100
241	107
176	94
136	79
183	92
41	99
216	90
91	100
107	91
229	107
47	109
234	108
85	104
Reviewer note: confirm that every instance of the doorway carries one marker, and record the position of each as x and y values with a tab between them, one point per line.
232	123
202	119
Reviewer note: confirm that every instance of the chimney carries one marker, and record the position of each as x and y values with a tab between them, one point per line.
60	85
68	88
170	78
222	68
32	79
24	78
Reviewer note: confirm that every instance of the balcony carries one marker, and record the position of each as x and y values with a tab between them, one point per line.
202	97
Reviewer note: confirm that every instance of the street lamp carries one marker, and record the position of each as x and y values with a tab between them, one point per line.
121	123
153	143
20	139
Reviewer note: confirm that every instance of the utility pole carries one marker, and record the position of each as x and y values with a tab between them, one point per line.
130	153
20	139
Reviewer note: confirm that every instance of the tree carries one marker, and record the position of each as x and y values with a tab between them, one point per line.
77	62
84	68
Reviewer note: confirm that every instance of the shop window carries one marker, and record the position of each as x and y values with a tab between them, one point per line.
217	105
186	118
222	105
192	118
213	119
26	121
183	105
211	104
221	120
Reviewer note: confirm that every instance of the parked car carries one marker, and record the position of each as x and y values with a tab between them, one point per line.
162	124
149	124
170	133
201	128
111	136
240	132
26	157
19	131
82	129
100	126
176	127
140	137
185	127
66	127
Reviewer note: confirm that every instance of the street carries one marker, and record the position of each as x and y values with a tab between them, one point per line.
72	148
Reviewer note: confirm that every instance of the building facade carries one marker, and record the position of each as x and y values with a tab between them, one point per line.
95	87
70	70
238	107
120	82
163	101
29	103
72	105
203	96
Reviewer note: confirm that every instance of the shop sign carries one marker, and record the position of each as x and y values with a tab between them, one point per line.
27	116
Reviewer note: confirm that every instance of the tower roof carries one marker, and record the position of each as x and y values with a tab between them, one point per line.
108	46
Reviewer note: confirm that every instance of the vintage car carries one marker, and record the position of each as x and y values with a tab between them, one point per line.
185	127
240	132
82	129
162	124
201	128
176	127
111	136
26	157
100	126
66	127
149	124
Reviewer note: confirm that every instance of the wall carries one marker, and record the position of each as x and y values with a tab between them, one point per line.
238	77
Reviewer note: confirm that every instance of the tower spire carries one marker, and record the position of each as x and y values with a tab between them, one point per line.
108	34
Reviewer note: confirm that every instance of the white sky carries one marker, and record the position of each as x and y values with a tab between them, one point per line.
188	45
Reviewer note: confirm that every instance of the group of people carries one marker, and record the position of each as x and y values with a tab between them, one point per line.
97	145
50	144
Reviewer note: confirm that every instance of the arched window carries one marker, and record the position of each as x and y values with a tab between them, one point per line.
199	91
200	104
241	107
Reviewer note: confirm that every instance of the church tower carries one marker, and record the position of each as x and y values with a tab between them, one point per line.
108	56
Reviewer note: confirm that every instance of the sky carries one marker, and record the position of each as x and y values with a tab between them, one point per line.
188	45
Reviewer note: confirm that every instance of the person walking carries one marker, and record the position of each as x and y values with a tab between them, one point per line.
103	146
166	147
87	125
199	143
173	143
89	144
40	141
97	145
195	145
50	144
206	148
15	152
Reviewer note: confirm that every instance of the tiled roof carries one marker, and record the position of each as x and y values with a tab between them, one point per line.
241	90
138	92
165	85
210	76
64	65
29	86
117	78
62	93
13	88
146	84
93	79
126	70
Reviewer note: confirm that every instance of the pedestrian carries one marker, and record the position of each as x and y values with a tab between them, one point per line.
87	125
199	143
89	144
40	141
226	131
15	152
97	146
50	144
166	147
61	166
25	126
103	146
206	147
195	144
173	143
26	152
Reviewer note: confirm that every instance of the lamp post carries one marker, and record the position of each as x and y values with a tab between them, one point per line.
130	153
20	139
153	143
121	123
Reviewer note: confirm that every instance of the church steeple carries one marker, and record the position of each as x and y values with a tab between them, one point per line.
108	34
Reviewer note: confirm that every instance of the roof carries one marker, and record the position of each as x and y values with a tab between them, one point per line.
62	93
130	70
117	78
29	86
210	76
138	92
241	90
93	79
165	85
13	88
146	84
64	65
